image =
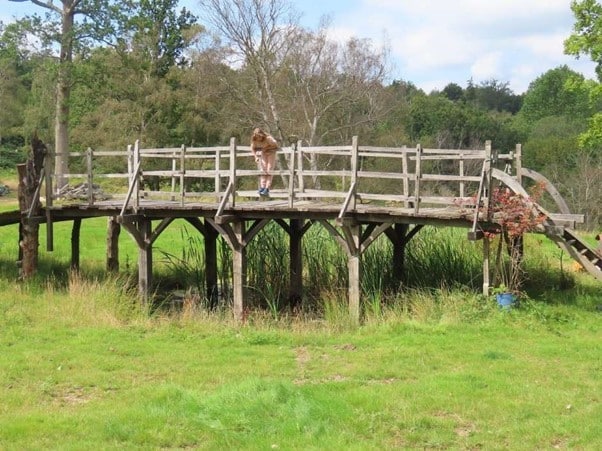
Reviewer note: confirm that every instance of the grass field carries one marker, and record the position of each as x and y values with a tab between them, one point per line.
84	366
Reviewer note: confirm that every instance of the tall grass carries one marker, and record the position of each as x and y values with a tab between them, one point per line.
439	263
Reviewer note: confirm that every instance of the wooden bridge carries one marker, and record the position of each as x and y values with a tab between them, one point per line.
356	192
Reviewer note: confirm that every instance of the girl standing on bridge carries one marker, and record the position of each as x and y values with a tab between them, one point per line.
267	145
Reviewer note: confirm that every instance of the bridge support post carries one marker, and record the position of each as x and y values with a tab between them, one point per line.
296	263
353	235
354	268
239	270
145	259
397	236
75	234
486	268
400	235
113	231
210	236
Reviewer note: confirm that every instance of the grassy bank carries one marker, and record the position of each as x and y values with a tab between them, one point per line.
85	368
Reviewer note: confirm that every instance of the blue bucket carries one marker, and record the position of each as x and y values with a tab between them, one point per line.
506	300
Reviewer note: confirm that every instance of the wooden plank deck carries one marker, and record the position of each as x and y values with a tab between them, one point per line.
356	192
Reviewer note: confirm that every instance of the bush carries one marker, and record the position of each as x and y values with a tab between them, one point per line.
11	157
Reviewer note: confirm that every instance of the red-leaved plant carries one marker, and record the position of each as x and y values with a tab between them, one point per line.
515	215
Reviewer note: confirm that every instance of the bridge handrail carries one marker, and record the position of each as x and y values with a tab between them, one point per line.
416	177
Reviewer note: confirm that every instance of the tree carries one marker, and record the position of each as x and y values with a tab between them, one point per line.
453	92
98	24
587	36
336	87
557	92
587	40
260	34
160	33
12	87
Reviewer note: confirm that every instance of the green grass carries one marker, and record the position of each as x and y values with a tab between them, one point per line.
84	368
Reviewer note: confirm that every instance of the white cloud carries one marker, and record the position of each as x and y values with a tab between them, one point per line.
508	40
436	42
486	66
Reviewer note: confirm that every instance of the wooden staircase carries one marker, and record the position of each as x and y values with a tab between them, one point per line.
567	240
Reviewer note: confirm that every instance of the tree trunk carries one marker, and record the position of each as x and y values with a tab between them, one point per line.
29	177
63	92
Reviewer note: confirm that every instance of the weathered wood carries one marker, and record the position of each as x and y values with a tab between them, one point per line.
417	176
90	175
48	171
211	275
113	231
486	266
29	204
145	260
372	208
183	174
75	234
239	271
400	235
354	268
295	293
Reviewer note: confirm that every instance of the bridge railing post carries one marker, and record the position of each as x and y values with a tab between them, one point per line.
137	175
518	163
405	182
218	177
488	179
300	181
291	179
233	169
417	177
354	166
89	159
182	174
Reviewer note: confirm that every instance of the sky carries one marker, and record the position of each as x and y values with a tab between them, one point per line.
436	42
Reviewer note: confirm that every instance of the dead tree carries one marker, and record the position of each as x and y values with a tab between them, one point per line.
29	204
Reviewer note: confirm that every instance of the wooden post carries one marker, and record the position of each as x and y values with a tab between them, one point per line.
49	193
354	165
113	231
519	163
89	159
75	234
296	263
145	260
182	174
137	175
487	186
461	173
291	180
397	237
174	168
233	169
486	270
239	270
354	268
417	178
218	177
210	237
131	165
300	181
404	168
